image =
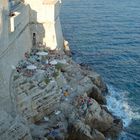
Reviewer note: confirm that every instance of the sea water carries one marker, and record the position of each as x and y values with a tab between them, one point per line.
105	34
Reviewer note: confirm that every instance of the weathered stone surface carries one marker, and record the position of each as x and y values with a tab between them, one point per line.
35	100
95	117
85	85
61	81
115	129
76	79
79	131
97	95
104	122
97	80
37	132
77	94
13	128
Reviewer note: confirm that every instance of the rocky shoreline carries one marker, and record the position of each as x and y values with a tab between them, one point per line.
62	100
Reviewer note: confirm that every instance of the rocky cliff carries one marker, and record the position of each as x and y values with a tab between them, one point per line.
58	99
47	95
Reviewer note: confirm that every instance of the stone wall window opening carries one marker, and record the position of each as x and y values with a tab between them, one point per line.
34	39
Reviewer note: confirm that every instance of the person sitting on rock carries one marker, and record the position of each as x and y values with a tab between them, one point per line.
66	93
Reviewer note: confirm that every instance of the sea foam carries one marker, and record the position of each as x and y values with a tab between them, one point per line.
118	104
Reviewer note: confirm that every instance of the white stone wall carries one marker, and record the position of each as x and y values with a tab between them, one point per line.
46	12
59	34
3	25
42	19
13	45
17	43
9	61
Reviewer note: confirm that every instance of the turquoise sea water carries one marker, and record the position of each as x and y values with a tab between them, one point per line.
105	34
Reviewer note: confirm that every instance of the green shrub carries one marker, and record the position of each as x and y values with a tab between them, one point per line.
47	80
59	66
55	74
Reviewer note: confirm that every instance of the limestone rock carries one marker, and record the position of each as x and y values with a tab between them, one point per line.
13	128
82	108
61	81
104	122
37	131
79	131
97	80
97	95
76	79
85	85
116	128
34	101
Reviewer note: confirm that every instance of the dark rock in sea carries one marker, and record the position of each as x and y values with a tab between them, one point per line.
80	131
97	95
114	130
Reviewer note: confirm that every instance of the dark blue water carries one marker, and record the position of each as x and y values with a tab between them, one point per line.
105	34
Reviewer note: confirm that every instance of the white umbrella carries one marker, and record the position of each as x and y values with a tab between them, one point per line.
53	62
42	53
57	112
31	67
62	61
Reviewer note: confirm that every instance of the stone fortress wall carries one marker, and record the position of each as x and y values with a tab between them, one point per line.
13	45
26	23
30	19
